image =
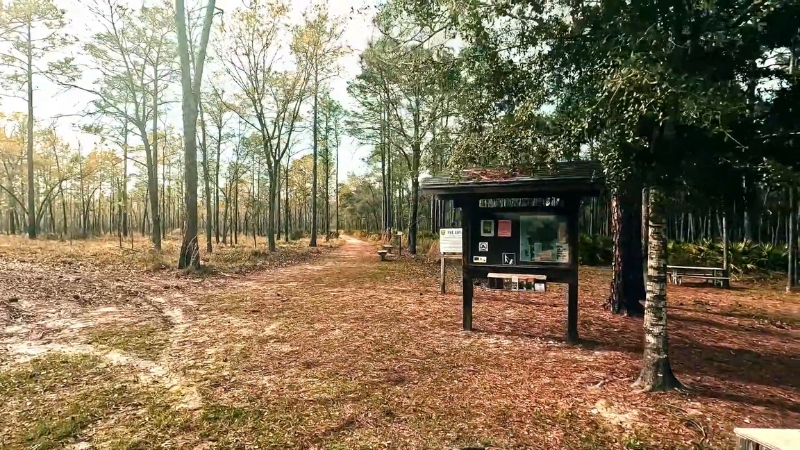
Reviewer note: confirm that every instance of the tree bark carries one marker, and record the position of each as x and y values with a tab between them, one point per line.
190	253
273	200
216	183
286	212
726	264
792	241
656	372
412	226
327	164
313	242
29	143
206	178
627	284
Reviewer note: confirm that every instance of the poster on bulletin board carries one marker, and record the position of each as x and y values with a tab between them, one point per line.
503	228
543	238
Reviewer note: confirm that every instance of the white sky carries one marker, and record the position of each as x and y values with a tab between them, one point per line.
51	101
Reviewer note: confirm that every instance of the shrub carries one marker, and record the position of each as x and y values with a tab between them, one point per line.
595	250
745	257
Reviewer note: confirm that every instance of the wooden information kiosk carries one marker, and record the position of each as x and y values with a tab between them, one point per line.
521	225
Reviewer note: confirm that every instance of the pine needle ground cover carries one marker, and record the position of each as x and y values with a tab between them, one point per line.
332	349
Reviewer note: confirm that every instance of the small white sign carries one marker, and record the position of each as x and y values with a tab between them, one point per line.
483	246
479	259
562	253
450	240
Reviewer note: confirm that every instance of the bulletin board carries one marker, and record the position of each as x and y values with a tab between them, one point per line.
532	238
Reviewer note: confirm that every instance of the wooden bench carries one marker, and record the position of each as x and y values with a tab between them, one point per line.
382	254
767	439
713	274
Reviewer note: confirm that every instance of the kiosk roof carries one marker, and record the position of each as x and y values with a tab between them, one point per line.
584	178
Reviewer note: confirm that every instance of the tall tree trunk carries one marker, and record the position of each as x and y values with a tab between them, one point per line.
235	212
225	215
327	169
656	372
792	240
313	242
627	285
63	210
286	211
125	180
273	201
152	181
206	178
336	187
412	226
726	264
29	138
216	183
190	253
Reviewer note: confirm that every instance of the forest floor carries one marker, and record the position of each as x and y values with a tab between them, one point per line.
337	350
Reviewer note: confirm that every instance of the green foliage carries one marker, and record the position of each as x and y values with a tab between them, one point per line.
595	250
745	257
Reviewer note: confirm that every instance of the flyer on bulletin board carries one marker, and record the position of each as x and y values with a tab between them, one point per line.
504	228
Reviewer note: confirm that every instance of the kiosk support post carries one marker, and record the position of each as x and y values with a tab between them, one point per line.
573	233
441	275
466	255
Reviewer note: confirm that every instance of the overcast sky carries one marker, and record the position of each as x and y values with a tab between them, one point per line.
50	101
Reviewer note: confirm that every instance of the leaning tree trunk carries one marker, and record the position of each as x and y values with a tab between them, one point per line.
627	284
656	372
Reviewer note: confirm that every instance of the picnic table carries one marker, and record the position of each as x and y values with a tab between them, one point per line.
714	274
767	439
388	247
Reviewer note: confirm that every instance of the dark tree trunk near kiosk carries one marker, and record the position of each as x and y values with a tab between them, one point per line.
627	284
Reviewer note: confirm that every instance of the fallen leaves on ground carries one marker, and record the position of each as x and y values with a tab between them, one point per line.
345	351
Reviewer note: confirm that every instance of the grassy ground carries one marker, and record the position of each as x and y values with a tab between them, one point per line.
341	351
137	255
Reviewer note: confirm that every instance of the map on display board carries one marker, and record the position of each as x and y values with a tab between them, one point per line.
450	240
543	238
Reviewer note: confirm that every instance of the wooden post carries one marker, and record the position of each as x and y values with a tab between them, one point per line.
441	276
572	287
790	285
400	243
466	254
726	264
572	312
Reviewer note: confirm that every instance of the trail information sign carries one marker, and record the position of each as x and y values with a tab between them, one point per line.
450	240
519	222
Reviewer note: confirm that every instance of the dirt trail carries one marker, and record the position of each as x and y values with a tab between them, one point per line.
64	328
353	254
